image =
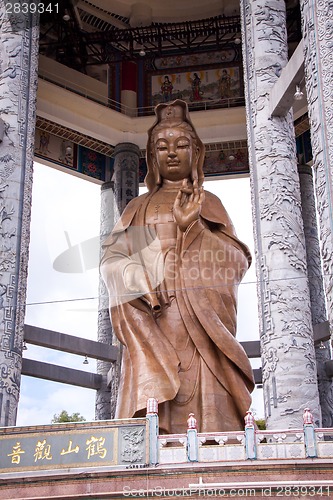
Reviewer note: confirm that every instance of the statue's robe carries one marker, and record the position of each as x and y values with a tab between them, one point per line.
186	355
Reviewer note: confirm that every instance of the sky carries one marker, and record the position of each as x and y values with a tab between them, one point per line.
66	212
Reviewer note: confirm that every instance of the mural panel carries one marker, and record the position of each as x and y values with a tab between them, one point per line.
55	149
91	163
213	85
68	154
198	59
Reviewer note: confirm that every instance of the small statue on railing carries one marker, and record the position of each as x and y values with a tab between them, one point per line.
250	441
309	434
307	417
152	406
249	420
192	422
192	439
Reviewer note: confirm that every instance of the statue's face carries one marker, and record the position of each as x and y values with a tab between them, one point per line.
173	153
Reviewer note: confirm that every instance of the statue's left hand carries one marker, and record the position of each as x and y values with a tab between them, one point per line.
187	206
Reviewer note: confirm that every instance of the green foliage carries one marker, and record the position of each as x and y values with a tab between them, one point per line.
64	417
261	423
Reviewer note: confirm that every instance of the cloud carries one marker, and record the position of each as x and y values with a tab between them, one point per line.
41	399
58	301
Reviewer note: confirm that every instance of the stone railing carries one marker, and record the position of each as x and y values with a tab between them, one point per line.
137	443
235	446
252	444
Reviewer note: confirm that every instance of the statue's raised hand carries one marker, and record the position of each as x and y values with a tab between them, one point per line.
187	206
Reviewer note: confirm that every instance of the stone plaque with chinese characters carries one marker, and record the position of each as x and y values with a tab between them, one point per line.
74	445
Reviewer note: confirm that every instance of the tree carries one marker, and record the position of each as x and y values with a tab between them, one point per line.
65	417
261	423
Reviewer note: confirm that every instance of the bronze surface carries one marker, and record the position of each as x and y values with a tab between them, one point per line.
172	266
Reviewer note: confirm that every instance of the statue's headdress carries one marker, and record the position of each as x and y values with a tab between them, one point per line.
170	115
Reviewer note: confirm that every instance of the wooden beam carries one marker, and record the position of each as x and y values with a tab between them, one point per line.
61	374
282	93
329	368
106	352
69	343
252	348
321	332
257	376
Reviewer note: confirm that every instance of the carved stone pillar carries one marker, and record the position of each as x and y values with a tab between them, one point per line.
18	85
288	356
103	395
317	295
318	61
125	174
114	197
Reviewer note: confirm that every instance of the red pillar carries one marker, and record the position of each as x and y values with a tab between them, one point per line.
129	88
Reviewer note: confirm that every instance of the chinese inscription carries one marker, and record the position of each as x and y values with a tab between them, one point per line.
74	448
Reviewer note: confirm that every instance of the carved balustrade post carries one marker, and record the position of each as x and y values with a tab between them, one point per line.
152	416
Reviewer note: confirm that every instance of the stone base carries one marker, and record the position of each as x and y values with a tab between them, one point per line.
306	478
